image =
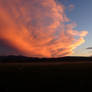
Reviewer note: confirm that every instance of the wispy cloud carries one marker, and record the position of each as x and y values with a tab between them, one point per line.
38	28
89	48
71	7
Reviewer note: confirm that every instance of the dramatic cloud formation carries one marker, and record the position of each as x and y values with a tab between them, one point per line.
38	28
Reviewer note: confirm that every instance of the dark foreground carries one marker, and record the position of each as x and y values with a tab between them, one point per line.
30	77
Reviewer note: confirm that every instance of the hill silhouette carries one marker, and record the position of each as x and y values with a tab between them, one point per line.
24	59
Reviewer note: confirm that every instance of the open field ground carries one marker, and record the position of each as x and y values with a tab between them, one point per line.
44	76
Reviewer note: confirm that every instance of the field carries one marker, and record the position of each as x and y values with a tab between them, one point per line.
46	76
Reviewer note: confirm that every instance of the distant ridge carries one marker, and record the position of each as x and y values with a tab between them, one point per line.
24	59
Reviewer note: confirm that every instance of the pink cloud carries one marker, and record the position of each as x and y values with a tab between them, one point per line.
37	28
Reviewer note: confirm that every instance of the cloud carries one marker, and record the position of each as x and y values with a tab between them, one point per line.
71	7
38	28
89	48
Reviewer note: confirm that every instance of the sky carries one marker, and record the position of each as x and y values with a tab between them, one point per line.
81	14
45	28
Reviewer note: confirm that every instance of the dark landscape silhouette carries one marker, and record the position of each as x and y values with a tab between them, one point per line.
24	59
26	74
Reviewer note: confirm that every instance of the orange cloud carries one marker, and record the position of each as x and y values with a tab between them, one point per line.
38	28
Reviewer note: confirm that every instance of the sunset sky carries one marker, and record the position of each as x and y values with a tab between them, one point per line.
46	28
81	14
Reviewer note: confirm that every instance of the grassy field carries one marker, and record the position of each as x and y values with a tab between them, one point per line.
56	76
